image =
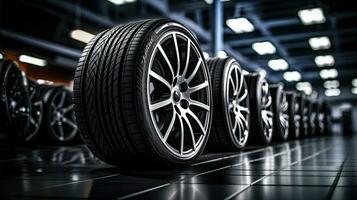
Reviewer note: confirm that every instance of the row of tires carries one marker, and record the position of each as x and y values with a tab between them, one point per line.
32	113
143	93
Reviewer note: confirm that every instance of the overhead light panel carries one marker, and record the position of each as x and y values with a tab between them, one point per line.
278	64
318	43
292	76
332	92
331	84
222	54
328	73
323	61
81	35
1	56
354	90
240	25
263	48
121	2
354	82
32	60
304	87
311	16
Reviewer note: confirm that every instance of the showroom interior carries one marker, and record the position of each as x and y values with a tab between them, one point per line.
178	99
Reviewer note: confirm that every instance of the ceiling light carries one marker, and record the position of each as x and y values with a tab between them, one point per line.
317	43
120	2
354	90
205	55
311	16
263	48
278	64
328	73
240	25
81	35
304	87
32	60
292	76
331	84
221	54
354	82
332	92
1	56
323	61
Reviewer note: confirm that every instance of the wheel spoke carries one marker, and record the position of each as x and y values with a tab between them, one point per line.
177	54
198	87
159	78
243	109
232	83
191	132
237	86
195	70
182	136
198	122
60	128
187	57
68	108
243	96
199	104
63	98
171	125
70	122
160	104
166	59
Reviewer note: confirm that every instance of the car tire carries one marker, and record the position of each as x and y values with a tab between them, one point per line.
230	127
280	112
260	108
294	115
304	114
142	93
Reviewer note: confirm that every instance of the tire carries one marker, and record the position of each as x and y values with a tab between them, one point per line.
14	103
123	70
280	112
261	110
311	117
59	121
37	112
230	127
319	120
326	109
304	114
294	115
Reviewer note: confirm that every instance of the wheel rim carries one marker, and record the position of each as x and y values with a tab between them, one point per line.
236	105
284	116
179	95
36	113
16	98
63	124
267	114
305	118
321	122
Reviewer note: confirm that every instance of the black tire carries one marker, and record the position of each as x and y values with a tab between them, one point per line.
326	109
304	114
294	115
258	90
14	103
59	125
280	112
113	94
311	117
228	133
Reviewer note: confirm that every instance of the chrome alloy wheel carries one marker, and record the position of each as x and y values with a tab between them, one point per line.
179	94
235	99
62	122
36	112
266	111
283	115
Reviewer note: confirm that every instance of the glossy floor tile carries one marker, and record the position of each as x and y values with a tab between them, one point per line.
312	168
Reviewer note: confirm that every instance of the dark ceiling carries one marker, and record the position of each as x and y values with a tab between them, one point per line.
42	27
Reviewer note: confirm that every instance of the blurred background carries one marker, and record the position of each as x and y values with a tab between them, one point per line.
308	45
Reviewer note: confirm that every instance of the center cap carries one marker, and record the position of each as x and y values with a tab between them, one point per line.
176	96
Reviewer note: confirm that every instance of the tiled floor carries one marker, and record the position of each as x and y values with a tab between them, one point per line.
315	168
